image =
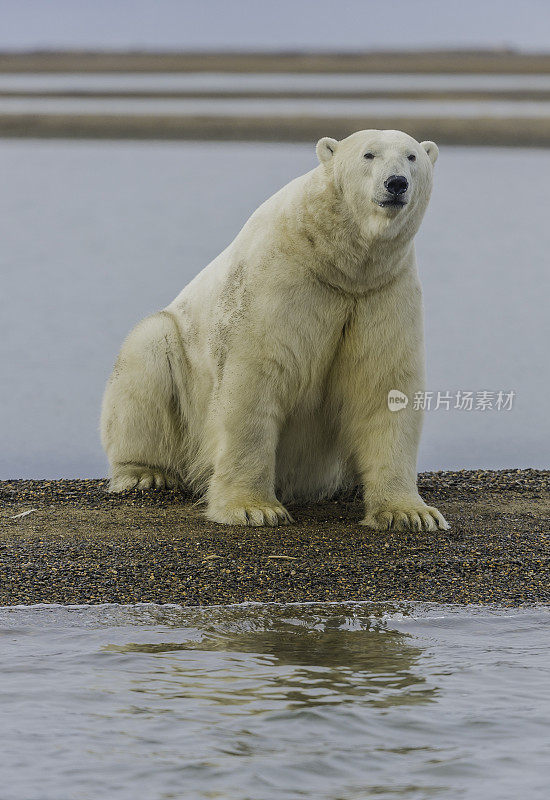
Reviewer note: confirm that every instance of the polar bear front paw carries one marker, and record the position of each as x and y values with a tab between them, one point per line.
413	515
253	513
140	476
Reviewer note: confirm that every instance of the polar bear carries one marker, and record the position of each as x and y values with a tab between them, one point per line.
267	378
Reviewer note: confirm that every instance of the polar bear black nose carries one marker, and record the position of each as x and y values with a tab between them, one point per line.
396	184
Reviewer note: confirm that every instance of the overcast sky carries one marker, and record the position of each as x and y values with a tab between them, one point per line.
274	24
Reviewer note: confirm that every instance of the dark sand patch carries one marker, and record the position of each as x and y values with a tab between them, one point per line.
82	545
497	61
478	131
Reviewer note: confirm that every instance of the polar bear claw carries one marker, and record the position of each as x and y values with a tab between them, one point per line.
253	514
402	516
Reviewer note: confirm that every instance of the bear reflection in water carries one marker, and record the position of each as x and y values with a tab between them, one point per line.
302	656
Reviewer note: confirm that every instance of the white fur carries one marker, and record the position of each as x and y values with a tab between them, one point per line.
268	375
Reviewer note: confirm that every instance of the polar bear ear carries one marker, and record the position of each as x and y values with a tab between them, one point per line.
326	147
432	150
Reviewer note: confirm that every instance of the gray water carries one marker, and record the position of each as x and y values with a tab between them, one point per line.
96	235
266	702
275	107
224	81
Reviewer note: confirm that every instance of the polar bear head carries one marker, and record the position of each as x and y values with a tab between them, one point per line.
384	178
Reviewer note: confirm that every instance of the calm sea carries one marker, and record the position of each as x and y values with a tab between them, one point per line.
266	702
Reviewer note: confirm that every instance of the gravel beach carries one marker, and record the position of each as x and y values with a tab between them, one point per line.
82	545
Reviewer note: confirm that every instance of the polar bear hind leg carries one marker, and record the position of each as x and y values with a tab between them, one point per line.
143	414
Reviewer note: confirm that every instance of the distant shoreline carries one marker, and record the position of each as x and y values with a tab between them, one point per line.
82	545
527	130
434	61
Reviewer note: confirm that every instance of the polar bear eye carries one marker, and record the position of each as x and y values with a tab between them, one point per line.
369	155
412	157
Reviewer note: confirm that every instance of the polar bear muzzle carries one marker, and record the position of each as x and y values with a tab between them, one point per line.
396	186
